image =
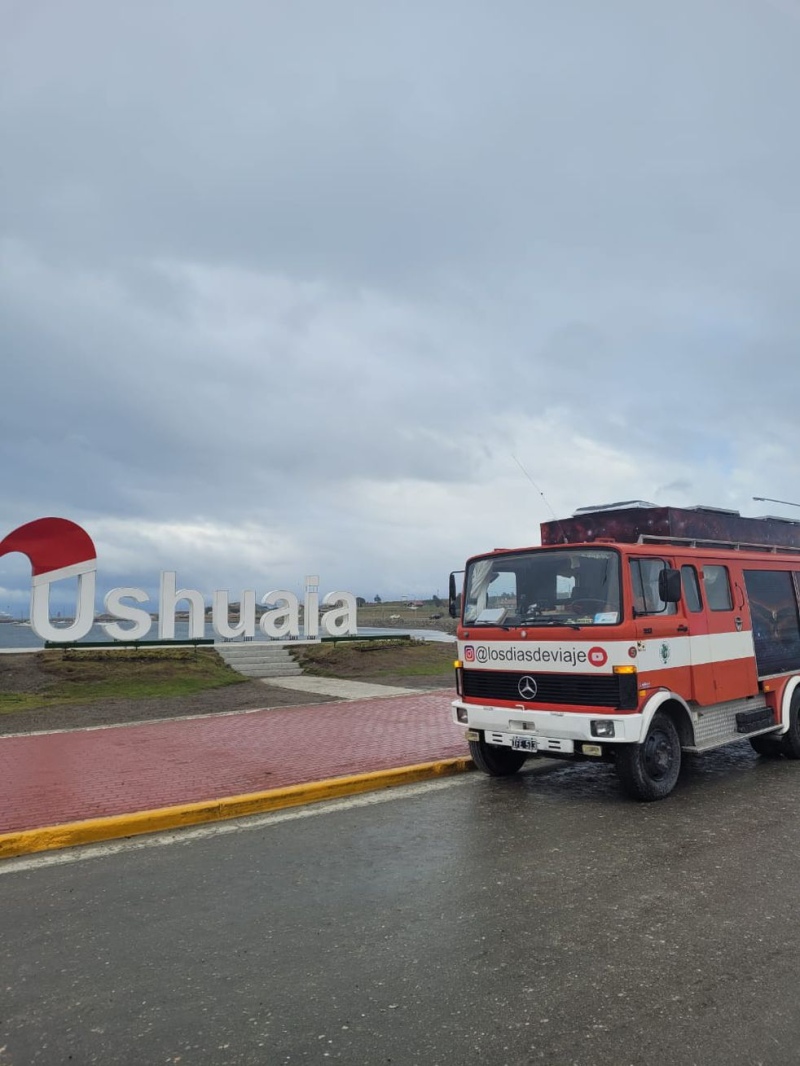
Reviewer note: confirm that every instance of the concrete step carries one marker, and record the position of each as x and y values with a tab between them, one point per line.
267	670
247	666
236	659
239	645
250	651
256	659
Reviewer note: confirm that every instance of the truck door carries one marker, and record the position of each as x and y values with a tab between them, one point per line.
722	653
703	682
662	631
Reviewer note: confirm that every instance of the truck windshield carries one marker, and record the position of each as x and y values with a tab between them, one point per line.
544	588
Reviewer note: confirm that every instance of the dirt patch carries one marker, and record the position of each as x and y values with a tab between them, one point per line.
22	673
25	674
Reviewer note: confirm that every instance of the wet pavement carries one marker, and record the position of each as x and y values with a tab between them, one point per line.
542	918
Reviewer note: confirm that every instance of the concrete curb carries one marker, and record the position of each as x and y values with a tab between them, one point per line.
94	830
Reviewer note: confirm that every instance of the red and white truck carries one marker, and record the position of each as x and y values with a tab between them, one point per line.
635	633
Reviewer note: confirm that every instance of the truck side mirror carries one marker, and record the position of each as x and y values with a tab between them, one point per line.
453	595
669	585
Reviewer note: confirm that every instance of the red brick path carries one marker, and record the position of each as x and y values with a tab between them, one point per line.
66	777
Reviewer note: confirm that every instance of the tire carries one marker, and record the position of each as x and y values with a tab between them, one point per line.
771	747
495	761
649	771
790	741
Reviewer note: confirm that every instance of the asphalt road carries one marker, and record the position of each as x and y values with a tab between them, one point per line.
539	919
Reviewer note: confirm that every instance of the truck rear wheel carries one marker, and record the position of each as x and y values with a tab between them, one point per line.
495	761
649	771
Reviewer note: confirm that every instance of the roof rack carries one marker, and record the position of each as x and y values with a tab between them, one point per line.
704	509
733	545
620	505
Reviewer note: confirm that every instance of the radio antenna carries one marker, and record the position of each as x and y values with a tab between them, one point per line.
541	493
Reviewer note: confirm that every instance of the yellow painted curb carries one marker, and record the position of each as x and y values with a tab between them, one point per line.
93	830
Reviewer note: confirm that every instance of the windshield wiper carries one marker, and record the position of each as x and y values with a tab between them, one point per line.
526	624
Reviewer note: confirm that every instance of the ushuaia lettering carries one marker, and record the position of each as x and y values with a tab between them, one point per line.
59	549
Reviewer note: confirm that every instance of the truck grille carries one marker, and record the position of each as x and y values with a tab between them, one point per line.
576	689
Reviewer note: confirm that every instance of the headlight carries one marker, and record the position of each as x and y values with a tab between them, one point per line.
601	727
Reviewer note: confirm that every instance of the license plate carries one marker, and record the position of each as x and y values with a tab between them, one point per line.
524	743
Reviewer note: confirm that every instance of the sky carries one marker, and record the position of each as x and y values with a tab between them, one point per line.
361	289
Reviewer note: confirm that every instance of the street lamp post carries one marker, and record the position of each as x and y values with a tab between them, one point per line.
769	499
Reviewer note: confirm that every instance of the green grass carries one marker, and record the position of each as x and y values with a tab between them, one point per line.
377	660
80	677
85	677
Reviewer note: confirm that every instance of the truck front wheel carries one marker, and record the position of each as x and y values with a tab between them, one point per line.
649	771
767	745
495	761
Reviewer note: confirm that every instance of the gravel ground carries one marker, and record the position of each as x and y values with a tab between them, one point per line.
20	673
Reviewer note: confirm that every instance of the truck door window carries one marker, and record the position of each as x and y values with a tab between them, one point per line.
644	576
718	588
691	589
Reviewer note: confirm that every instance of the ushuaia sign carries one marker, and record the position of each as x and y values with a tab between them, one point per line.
59	549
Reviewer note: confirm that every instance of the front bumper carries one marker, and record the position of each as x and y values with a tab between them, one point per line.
557	731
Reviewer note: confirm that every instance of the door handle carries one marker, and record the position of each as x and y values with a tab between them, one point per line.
683	629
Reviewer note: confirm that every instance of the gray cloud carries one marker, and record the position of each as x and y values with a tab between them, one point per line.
320	272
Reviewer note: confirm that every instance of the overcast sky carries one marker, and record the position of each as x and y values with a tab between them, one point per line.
285	286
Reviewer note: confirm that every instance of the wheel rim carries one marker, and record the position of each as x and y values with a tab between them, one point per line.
658	755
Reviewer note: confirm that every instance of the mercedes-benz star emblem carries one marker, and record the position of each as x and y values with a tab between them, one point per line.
527	688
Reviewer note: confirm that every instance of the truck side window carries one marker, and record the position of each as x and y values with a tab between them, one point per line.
691	589
776	625
644	577
718	588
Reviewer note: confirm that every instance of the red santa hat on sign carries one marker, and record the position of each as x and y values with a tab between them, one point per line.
56	547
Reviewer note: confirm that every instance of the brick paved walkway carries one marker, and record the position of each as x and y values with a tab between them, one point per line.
64	777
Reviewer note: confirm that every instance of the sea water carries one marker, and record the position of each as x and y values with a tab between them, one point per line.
18	635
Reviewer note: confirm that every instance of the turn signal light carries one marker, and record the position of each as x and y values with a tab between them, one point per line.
458	664
624	669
